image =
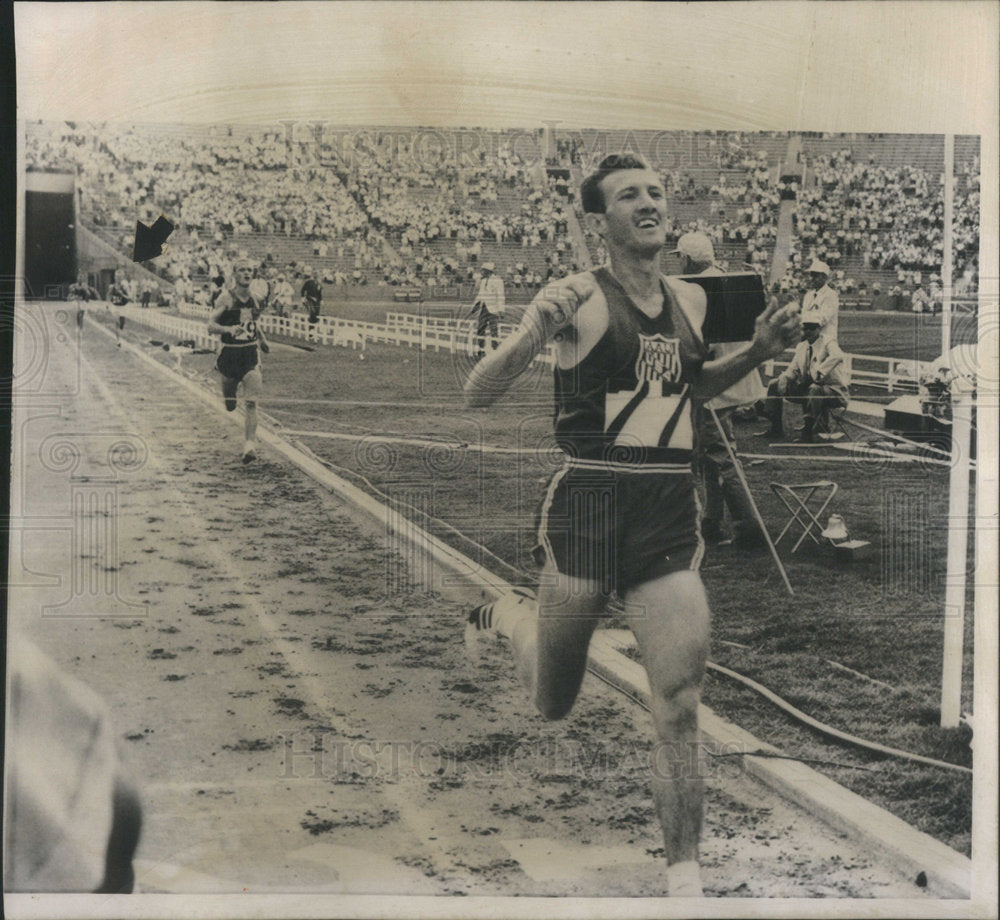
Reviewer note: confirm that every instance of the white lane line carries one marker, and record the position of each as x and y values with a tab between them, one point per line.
422	442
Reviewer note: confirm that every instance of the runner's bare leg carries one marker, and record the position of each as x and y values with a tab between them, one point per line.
670	619
551	648
250	423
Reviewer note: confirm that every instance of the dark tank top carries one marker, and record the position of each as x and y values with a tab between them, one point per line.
241	313
629	400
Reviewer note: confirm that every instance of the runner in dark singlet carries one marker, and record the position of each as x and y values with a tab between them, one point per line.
235	320
624	422
621	517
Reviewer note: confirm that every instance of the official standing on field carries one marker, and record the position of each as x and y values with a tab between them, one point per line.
490	304
821	303
721	481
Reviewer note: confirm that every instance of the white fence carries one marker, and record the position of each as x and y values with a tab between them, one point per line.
428	333
443	333
183	329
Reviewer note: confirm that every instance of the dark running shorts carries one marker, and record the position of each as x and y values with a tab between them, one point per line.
620	529
236	363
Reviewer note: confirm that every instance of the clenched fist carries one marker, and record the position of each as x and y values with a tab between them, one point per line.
558	302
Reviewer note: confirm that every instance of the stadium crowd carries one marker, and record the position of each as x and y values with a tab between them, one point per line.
887	218
384	213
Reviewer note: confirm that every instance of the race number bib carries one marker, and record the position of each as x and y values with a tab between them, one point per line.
249	324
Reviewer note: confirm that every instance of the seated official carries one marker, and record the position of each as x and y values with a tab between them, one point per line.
817	379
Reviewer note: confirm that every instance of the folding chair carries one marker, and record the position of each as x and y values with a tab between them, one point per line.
796	497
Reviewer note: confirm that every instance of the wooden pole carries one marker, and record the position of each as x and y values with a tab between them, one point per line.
958	537
746	488
946	259
958	492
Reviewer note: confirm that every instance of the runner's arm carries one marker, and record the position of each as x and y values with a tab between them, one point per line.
214	326
550	312
777	328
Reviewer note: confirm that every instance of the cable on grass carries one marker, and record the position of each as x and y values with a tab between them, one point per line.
425	442
880	454
829	730
636	698
775	755
832	458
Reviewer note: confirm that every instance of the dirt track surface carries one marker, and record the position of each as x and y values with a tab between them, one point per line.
301	716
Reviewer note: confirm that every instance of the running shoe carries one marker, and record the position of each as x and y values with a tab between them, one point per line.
482	623
479	632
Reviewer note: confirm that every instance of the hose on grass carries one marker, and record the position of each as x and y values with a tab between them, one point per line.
799	716
829	730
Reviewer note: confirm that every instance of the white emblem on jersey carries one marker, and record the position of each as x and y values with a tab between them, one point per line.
659	359
659	362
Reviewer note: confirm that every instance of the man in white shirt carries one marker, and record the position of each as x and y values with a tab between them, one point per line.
284	293
490	304
817	379
260	288
182	291
821	301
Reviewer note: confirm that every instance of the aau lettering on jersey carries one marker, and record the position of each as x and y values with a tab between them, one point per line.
659	359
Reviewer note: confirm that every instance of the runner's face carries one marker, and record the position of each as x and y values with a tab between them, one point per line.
635	211
244	275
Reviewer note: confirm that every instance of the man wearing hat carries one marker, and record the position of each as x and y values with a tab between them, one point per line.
697	254
312	299
723	488
821	300
817	379
284	293
490	304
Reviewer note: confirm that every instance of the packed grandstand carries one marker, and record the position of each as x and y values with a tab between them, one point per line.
371	212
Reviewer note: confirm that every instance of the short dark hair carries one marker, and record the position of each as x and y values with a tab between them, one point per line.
591	196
